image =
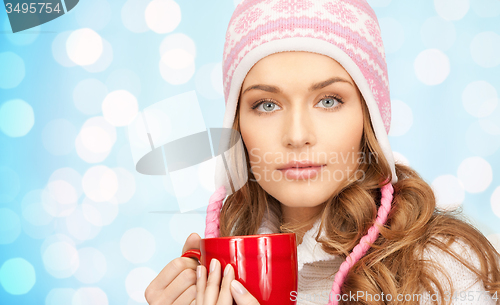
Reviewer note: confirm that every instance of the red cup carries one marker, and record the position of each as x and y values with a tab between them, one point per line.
266	264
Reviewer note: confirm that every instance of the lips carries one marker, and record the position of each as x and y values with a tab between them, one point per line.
295	173
295	164
301	169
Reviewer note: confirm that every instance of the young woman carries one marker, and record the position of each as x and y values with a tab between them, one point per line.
306	85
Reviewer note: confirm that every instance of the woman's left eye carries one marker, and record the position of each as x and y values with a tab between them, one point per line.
329	102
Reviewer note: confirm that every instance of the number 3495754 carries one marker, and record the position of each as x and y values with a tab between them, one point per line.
33	8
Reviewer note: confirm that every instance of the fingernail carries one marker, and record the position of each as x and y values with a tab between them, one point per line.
213	262
198	271
238	287
226	270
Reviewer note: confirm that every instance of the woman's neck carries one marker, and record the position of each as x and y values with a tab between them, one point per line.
296	216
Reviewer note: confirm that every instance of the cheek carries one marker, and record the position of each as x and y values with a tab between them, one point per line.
344	127
356	133
344	136
257	155
258	141
255	148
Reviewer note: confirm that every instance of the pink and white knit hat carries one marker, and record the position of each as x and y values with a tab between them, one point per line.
346	30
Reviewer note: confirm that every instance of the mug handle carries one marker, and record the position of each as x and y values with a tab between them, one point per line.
193	253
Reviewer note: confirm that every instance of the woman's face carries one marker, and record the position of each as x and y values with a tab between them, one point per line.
300	106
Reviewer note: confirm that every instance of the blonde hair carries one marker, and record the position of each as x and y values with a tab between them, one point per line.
394	264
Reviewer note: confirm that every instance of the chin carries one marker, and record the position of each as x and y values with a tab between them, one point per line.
301	195
310	204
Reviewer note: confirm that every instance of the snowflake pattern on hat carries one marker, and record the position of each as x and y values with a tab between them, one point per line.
350	25
290	6
247	19
346	14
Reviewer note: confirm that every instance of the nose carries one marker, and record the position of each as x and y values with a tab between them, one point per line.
298	128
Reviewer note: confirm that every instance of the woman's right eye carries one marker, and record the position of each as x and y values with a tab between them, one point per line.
267	107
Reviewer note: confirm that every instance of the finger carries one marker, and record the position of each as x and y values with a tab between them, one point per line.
225	297
241	295
180	285
192	242
201	284
213	283
187	297
169	273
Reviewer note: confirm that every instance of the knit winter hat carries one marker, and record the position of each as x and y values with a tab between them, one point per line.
345	30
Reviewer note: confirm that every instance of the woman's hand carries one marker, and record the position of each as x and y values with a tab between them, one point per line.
208	290
176	283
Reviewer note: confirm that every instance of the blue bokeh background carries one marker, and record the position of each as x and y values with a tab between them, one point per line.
78	224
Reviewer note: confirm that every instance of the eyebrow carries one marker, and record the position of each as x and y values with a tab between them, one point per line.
314	87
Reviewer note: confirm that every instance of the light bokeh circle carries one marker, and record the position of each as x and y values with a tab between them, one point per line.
208	81
401	118
137	245
137	281
484	48
480	98
133	16
95	140
16	118
120	108
17	276
60	296
452	9
60	259
163	16
104	61
449	192
475	173
13	70
59	51
178	41
432	67
84	46
90	296
10	226
92	267
79	227
100	183
59	198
